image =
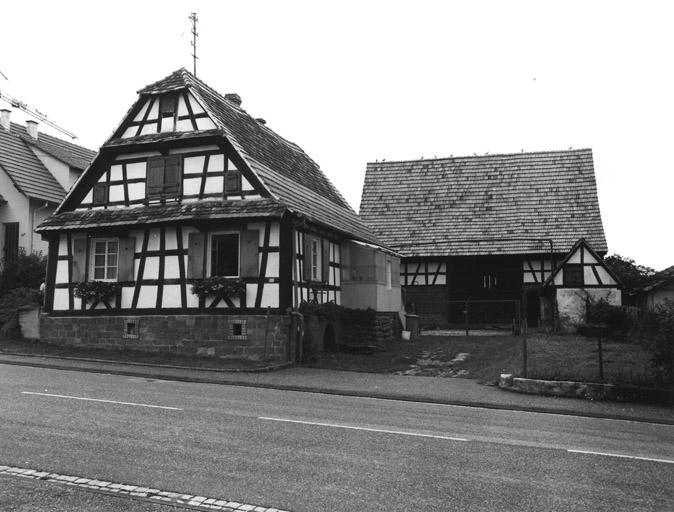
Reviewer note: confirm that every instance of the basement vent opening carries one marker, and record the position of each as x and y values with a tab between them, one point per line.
131	328
237	330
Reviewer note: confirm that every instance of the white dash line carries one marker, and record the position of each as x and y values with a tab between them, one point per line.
617	455
378	430
103	401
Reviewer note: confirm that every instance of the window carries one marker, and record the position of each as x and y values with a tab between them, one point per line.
224	255
105	256
389	274
315	273
164	177
167	104
489	281
11	252
573	275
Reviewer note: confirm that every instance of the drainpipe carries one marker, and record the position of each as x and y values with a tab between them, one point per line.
32	227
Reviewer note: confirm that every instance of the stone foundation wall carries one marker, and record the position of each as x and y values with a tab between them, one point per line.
384	328
220	336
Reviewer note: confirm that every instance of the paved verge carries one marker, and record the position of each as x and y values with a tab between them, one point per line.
452	391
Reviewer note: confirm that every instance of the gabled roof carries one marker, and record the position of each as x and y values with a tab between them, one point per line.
493	204
26	170
581	243
288	174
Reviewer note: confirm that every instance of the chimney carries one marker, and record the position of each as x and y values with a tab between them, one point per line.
233	98
31	128
4	119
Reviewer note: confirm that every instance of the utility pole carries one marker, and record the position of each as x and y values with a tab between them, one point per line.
195	34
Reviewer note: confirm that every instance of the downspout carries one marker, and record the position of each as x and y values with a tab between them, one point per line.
32	224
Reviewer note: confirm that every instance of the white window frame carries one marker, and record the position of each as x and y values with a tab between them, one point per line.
315	257
107	264
209	267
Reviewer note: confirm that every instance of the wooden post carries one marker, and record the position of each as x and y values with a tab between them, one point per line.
524	347
601	362
266	335
467	333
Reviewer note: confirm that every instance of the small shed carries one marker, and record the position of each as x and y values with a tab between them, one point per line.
580	277
658	288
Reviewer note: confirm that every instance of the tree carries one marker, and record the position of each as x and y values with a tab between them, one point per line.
632	275
27	271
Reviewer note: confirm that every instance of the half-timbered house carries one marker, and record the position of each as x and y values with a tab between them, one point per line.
196	229
480	235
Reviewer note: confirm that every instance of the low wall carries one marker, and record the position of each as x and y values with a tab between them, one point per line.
221	336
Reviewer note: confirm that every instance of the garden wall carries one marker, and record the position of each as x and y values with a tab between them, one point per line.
220	336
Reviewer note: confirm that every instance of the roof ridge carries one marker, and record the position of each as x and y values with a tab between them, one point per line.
435	159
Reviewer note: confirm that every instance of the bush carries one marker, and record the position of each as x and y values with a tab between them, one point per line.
28	271
10	305
620	320
655	330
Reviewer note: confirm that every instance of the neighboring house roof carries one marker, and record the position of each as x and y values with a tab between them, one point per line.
492	204
26	170
287	173
657	280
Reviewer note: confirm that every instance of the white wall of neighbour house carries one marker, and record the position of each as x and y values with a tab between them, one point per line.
60	170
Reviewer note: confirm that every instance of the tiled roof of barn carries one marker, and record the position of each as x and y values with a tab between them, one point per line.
480	205
283	168
27	171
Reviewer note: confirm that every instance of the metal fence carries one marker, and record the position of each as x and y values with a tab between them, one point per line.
470	314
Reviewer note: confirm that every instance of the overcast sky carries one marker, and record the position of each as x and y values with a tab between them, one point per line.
357	81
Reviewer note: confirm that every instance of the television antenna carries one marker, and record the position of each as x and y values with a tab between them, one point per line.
16	103
193	18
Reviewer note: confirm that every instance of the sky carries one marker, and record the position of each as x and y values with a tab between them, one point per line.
353	82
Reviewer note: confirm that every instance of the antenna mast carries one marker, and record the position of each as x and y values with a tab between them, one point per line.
195	34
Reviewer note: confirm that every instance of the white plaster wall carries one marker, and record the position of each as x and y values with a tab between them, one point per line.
571	304
61	299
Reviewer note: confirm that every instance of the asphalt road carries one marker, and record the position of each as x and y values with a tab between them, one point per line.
311	452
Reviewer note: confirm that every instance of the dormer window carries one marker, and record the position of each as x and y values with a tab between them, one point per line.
167	104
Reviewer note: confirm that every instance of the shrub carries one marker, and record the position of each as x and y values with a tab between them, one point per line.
655	330
620	320
10	305
27	271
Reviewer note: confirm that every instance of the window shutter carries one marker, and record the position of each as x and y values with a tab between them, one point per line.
249	251
307	256
232	182
79	260
172	175
155	176
195	255
167	102
100	193
326	261
127	251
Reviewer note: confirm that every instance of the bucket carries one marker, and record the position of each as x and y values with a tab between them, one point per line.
406	335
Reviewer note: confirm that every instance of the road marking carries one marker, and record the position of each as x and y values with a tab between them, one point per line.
104	401
378	430
634	457
172	499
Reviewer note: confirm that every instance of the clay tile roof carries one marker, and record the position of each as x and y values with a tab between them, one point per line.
283	167
162	214
26	170
492	204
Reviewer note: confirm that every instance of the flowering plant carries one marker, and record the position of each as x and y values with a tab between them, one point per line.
101	290
220	287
